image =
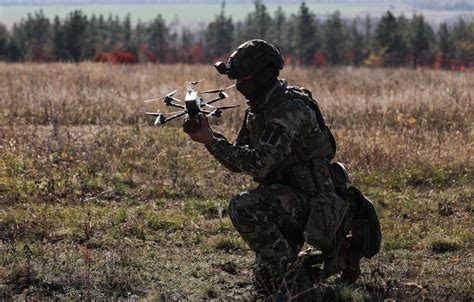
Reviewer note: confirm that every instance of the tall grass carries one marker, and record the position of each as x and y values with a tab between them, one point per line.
96	202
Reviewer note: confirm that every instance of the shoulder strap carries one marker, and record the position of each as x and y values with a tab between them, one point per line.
242	136
307	96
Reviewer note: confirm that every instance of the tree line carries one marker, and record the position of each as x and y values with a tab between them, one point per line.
303	38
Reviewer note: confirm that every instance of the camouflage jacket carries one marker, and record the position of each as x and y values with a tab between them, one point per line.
274	135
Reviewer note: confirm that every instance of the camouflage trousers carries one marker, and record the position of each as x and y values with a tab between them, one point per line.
271	219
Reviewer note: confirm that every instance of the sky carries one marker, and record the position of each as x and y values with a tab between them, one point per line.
199	12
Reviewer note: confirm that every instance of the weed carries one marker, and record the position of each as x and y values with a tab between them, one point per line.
443	245
227	244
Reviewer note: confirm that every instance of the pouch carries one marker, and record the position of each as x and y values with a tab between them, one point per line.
324	220
366	232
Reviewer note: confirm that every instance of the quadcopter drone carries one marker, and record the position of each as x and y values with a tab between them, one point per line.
192	106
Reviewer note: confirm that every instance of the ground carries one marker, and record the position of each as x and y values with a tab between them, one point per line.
96	203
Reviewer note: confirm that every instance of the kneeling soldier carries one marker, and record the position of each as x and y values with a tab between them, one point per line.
286	146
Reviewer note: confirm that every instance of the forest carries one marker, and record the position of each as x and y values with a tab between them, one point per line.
303	38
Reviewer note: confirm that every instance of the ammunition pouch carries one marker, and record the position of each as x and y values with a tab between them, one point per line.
327	211
366	236
337	208
366	233
325	219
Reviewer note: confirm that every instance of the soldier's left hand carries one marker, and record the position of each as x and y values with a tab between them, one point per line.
204	134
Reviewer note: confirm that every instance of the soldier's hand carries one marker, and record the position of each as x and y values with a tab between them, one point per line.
204	134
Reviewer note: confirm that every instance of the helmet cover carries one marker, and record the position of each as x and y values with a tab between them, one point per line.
251	57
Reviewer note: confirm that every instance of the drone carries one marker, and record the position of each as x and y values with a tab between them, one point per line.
192	106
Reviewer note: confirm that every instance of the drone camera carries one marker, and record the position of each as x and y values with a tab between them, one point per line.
221	67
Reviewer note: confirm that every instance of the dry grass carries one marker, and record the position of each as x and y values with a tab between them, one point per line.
97	203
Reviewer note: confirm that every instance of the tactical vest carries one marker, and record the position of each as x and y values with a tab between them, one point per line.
318	144
308	168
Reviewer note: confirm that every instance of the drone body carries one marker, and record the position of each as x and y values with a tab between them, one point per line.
191	107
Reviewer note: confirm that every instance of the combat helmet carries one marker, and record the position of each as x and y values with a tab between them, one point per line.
250	58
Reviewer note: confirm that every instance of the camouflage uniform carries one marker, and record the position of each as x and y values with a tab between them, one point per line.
272	218
287	148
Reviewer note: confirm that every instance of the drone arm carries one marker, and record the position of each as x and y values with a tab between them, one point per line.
176	105
213	101
176	116
206	112
159	113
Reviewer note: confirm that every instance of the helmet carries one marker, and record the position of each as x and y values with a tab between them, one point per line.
250	58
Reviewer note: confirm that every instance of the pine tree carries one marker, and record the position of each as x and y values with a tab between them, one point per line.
358	48
335	36
93	44
279	29
186	38
73	34
219	35
420	40
389	40
57	40
158	38
127	35
368	34
4	36
258	22
305	35
33	36
463	38
445	44
14	51
238	35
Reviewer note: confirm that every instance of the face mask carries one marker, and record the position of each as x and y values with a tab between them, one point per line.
255	87
249	88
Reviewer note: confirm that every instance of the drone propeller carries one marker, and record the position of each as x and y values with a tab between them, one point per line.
169	102
194	83
218	90
218	111
223	94
161	118
168	96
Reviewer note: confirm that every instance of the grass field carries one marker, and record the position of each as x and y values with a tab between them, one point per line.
95	203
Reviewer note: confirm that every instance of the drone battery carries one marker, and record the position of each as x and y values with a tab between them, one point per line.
192	103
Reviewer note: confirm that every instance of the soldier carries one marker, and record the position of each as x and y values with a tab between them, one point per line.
287	148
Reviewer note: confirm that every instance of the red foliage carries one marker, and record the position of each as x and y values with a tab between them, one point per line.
40	54
151	57
319	59
104	57
116	57
196	54
438	62
124	57
287	60
456	65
